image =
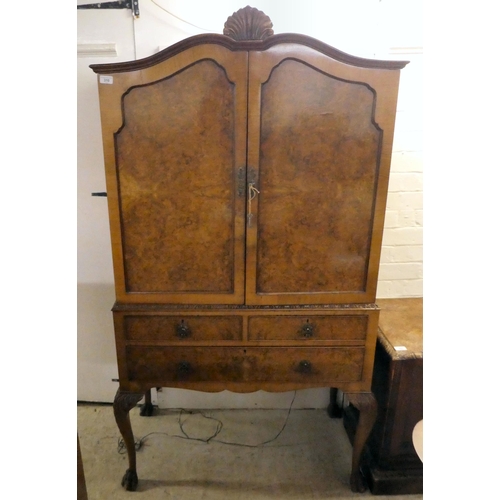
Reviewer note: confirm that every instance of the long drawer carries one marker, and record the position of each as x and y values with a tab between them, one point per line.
192	328
312	327
160	365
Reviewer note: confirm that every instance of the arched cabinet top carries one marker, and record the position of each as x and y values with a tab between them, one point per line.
247	30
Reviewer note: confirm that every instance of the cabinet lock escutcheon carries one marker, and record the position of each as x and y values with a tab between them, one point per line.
241	182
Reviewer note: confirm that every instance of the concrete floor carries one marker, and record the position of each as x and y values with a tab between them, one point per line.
307	455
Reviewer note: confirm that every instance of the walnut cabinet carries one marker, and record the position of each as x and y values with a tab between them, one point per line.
247	180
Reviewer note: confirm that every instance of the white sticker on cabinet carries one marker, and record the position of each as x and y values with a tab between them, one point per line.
106	79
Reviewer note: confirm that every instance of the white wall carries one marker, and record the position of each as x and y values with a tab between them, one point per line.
388	29
96	347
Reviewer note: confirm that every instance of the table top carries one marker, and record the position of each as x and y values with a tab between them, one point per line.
401	326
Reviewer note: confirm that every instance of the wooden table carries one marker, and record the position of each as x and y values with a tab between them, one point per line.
390	463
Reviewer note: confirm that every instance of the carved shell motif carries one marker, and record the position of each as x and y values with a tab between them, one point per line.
248	24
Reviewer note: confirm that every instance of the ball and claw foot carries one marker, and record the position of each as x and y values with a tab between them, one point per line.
130	480
147	410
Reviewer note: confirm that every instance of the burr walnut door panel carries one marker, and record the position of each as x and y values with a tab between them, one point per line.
179	157
314	156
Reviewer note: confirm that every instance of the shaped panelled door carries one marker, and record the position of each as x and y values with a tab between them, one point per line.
316	146
180	154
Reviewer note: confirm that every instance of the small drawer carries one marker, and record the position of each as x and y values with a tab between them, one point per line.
317	366
339	327
192	328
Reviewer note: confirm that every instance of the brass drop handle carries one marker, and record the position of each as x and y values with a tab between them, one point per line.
182	330
305	366
307	330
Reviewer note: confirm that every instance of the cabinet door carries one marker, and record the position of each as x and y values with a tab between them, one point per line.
175	150
320	139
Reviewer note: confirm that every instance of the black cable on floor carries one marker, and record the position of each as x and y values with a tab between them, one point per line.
138	444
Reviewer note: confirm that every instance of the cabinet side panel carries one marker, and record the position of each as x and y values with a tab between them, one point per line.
175	164
319	155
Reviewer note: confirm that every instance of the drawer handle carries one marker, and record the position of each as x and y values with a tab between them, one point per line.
182	330
305	366
307	330
184	368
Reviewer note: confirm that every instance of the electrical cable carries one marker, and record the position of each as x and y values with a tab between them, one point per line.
139	443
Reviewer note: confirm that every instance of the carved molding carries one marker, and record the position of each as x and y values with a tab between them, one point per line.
120	306
125	401
248	23
231	44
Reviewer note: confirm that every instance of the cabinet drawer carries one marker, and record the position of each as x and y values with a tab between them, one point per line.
183	327
161	365
308	327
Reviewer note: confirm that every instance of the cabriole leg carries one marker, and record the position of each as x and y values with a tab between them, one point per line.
367	406
123	403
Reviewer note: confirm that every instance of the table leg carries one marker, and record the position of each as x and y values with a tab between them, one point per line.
147	407
334	409
367	406
123	403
